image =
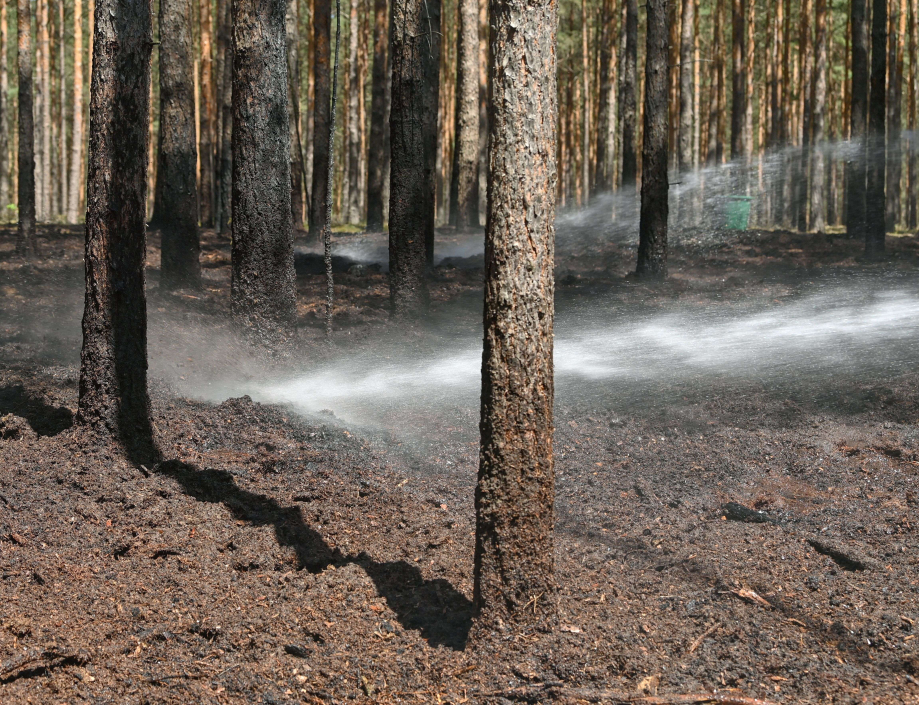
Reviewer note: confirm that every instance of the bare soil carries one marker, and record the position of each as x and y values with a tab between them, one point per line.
741	540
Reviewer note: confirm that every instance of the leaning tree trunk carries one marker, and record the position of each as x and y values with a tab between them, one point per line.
322	103
875	204
687	48
413	122
76	156
628	107
514	580
376	156
818	103
655	186
25	235
464	184
858	123
113	364
263	290
739	86
175	211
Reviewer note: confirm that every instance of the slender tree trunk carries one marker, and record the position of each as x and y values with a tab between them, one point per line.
207	117
739	86
60	186
805	71
113	368
293	79
687	45
628	106
363	63
263	288
896	30
655	186
464	184
716	107
875	204
913	96
514	581
76	140
376	157
749	61
354	121
818	177
585	105
25	236
856	167
44	113
4	109
322	24
778	77
603	179
175	211
225	167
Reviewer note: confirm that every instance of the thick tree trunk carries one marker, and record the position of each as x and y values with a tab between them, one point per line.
76	155
514	580
263	256
376	157
628	106
113	365
895	30
603	178
818	175
716	106
464	184
25	236
293	116
875	204
353	196
655	186
687	46
413	123
207	117
4	109
739	85
224	197
322	104
175	211
856	168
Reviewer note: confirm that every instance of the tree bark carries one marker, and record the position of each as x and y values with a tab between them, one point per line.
777	128
322	92
175	211
76	155
856	167
413	123
805	72
224	184
376	157
716	107
896	29
739	85
207	117
913	95
818	175
603	178
464	184
25	235
293	79
263	282
655	186
628	106
687	47
113	363
585	106
44	83
514	581
353	196
4	109
60	187
875	204
749	73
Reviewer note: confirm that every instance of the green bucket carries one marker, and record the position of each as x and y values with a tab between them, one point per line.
737	212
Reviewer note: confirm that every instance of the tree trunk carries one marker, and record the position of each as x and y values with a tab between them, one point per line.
4	110
413	121
375	158
292	25
716	108
687	46
875	204
805	72
206	117
44	103
353	205
464	183
25	235
856	168
777	128
818	177
585	106
628	106
113	365
514	581
76	155
655	186
749	60
322	71
913	96
225	155
895	30
603	179
263	256
739	85
175	211
60	187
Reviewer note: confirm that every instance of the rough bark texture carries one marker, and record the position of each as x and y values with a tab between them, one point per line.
895	30
322	101
352	198
4	108
805	71
113	362
655	186
464	184
376	157
225	150
687	47
584	105
912	96
716	108
628	106
44	68
875	204
263	255
739	85
25	236
818	175
514	580
858	123
60	123
76	156
606	116
175	211
413	124
777	89
293	86
207	117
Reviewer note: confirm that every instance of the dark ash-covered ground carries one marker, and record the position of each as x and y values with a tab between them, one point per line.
276	559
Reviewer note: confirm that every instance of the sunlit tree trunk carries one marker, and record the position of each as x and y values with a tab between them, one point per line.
818	175
687	46
293	80
895	30
603	179
716	106
464	184
43	209
76	144
376	156
628	106
322	105
739	85
805	72
4	109
913	95
585	105
25	236
856	167
353	196
224	195
875	204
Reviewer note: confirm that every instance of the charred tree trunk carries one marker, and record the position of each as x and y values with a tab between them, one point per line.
263	256
322	102
514	581
376	156
464	183
76	146
687	47
875	204
818	175
895	29
655	186
858	123
113	363
225	153
175	211
628	106
739	85
25	235
413	123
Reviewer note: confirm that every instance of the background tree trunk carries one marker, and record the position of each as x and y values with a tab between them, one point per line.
25	236
353	196
805	72
76	154
4	108
603	178
175	211
687	47
818	177
207	117
225	166
913	96
894	112
514	578
44	82
113	362
739	85
655	186
875	204
322	104
292	24
585	106
628	106
716	106
464	184
856	168
263	256
376	158
60	185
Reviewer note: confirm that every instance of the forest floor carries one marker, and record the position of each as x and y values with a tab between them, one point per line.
276	558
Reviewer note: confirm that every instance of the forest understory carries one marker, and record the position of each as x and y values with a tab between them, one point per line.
735	537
